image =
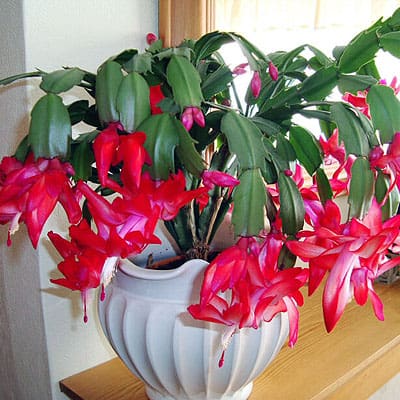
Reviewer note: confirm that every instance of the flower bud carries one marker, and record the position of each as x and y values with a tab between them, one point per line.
240	69
190	115
256	84
288	172
219	178
187	118
273	71
151	38
198	117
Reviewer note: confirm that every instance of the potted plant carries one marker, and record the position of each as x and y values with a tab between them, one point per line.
169	143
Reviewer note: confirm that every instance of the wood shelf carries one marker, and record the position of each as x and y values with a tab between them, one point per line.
352	362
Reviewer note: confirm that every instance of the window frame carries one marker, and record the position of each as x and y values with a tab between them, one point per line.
176	20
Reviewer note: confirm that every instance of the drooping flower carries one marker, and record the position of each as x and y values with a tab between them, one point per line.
124	228
132	153
110	149
354	254
258	289
85	257
105	147
388	163
332	148
170	195
29	192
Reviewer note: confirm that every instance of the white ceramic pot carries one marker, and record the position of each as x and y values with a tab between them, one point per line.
146	321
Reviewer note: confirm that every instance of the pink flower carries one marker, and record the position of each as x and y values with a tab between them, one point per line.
258	290
255	84
332	148
169	196
29	192
354	253
388	163
360	100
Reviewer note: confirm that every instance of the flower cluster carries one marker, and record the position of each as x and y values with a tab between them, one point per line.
172	142
258	289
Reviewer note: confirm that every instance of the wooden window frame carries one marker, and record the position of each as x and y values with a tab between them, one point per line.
184	19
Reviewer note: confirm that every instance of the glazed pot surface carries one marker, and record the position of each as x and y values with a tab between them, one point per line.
145	318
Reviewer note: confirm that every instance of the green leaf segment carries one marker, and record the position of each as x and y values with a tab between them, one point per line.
50	128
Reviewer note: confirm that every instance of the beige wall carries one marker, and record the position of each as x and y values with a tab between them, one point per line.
42	336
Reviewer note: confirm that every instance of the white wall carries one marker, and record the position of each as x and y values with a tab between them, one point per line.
43	338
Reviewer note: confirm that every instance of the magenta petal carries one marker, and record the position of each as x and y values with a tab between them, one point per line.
337	289
359	279
100	208
305	250
293	314
198	117
377	305
211	178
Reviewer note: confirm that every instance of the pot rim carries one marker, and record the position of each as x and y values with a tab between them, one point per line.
128	267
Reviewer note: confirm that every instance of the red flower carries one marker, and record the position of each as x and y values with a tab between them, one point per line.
104	147
156	95
84	260
29	192
169	196
110	149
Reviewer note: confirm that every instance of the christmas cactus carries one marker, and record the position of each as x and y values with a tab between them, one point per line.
166	138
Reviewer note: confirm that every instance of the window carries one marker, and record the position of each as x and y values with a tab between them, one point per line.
275	25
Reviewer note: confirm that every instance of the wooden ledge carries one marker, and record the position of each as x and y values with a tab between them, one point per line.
352	362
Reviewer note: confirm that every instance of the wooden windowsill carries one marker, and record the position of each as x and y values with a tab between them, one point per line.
352	362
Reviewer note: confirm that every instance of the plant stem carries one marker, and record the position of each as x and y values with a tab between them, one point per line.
213	218
192	223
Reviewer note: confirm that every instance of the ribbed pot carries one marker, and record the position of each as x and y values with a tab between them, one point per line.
146	321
